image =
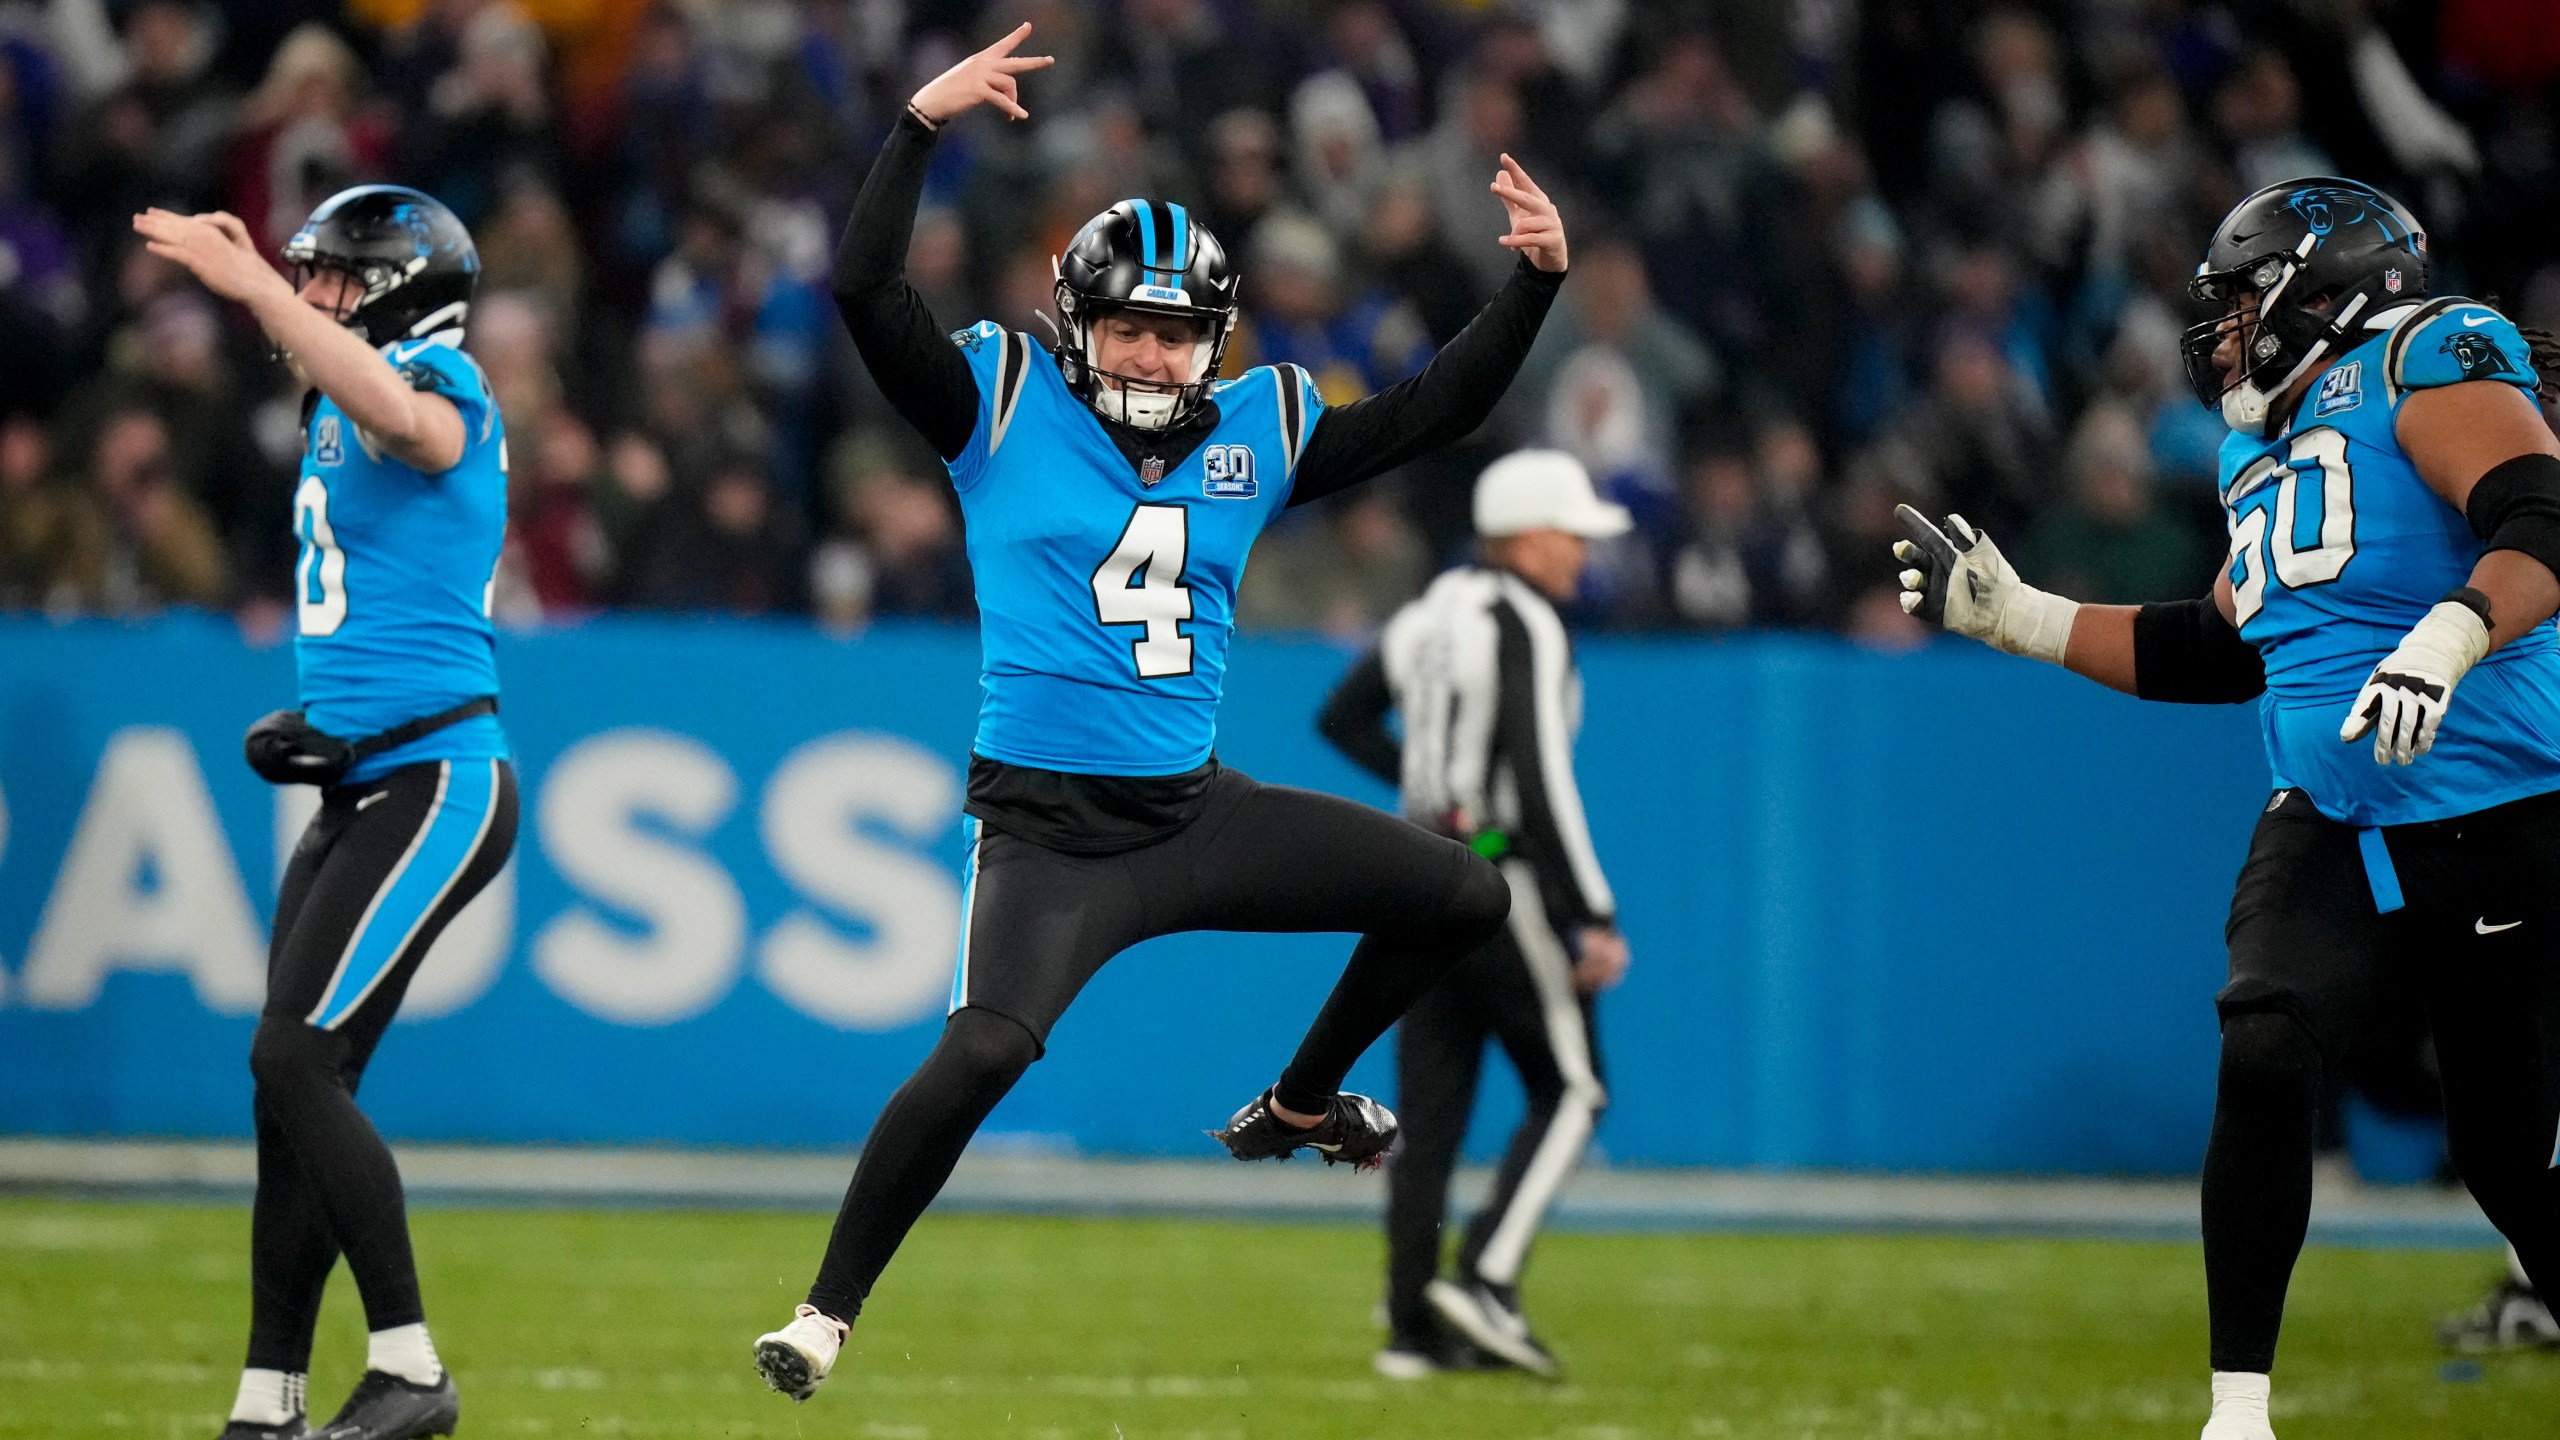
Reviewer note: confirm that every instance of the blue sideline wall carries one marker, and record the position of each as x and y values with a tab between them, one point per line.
1944	911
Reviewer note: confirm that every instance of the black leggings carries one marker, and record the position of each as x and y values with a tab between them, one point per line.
381	871
2315	966
1038	924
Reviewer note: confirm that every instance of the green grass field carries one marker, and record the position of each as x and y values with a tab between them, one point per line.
127	1320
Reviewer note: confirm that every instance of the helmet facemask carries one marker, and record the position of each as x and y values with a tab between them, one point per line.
1131	400
2282	335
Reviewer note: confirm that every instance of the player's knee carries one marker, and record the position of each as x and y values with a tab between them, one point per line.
2505	1161
1481	902
986	1046
288	1057
2267	1056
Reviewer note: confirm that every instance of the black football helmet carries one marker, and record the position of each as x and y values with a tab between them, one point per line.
414	263
2323	256
1145	255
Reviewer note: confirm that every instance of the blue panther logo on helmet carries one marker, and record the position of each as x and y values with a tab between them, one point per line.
414	220
2325	210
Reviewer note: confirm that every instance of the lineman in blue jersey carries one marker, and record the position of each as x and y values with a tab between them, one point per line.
400	511
2393	498
1111	484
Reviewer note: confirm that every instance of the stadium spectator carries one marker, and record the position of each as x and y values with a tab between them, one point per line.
1339	569
1947	231
895	549
1301	319
719	544
146	544
2106	536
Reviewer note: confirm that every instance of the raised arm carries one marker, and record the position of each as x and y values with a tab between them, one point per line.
1462	384
916	366
419	429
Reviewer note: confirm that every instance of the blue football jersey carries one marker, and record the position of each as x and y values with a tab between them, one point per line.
393	585
2338	547
1106	595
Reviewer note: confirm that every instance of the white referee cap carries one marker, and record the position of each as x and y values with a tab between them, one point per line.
1544	490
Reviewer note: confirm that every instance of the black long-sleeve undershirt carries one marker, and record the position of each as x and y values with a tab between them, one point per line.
927	381
910	357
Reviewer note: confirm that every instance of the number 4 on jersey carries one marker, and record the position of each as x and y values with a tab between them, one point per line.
1141	584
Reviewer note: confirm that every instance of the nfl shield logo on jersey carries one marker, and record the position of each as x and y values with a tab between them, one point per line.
326	449
2391	281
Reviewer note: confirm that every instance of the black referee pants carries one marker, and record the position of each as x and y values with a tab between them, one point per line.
1518	991
2333	931
380	872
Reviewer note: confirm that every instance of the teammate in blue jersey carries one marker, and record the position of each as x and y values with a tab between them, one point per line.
1112	482
2393	498
401	510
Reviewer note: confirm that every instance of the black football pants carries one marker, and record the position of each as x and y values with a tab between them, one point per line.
1037	924
2317	964
1518	991
380	872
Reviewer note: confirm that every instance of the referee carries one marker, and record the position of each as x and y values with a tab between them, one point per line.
1481	671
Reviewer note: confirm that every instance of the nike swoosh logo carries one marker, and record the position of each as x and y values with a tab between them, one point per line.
378	794
2478	320
2483	927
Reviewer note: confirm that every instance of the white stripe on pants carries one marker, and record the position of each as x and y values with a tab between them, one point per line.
1577	1110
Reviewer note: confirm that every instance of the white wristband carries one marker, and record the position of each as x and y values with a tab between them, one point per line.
2035	623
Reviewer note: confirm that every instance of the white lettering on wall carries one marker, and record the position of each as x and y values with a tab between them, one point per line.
607	811
149	883
821	809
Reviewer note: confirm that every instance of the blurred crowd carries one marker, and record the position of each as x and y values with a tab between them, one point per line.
1827	256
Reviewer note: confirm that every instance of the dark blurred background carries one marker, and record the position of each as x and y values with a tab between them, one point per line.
1827	256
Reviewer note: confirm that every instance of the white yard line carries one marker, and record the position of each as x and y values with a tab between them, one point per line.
1004	1179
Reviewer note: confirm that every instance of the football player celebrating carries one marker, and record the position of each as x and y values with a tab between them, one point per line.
2393	498
1111	485
401	511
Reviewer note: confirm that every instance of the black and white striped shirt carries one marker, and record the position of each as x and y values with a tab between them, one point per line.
1482	673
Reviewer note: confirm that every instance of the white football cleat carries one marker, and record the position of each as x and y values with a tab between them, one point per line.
2239	1408
796	1358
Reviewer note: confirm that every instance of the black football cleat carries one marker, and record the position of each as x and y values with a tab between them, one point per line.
1355	1131
386	1407
2512	1318
1489	1317
293	1429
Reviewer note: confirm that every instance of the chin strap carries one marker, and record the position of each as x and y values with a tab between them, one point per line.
2246	408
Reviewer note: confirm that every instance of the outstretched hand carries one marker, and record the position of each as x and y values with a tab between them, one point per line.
216	249
1537	231
985	78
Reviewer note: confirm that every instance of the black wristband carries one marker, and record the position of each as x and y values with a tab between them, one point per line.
2516	506
2474	600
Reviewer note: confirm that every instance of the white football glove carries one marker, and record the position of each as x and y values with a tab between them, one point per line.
2404	700
1960	580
